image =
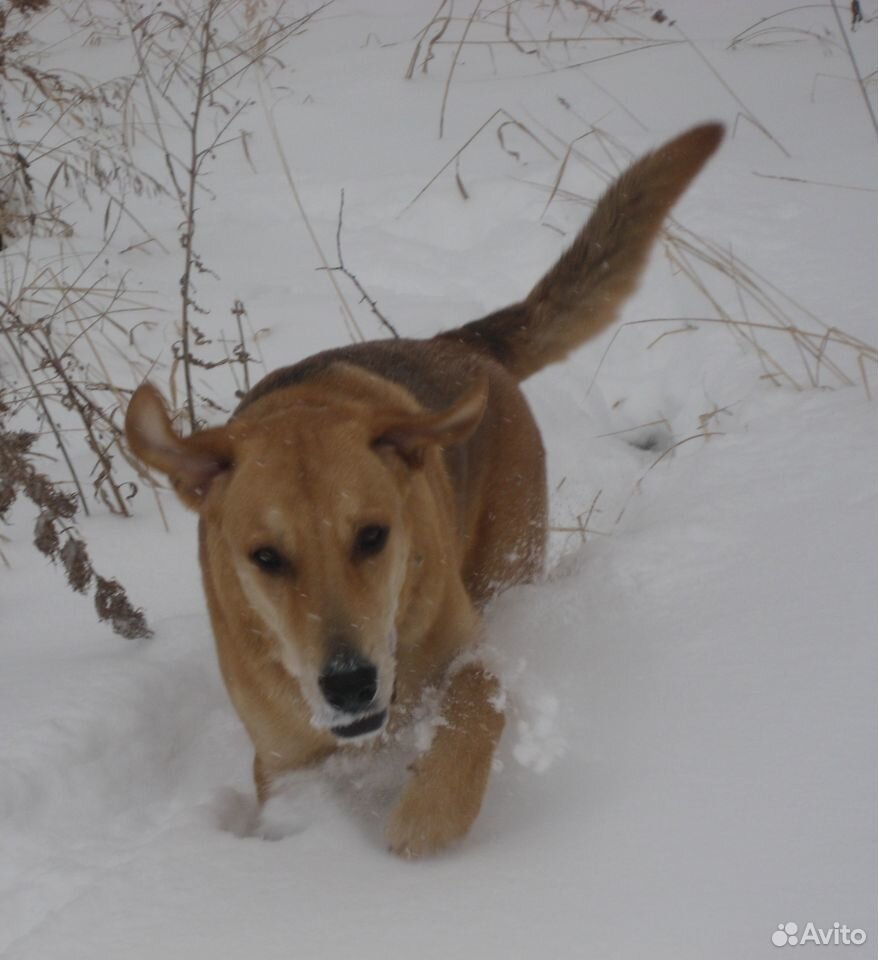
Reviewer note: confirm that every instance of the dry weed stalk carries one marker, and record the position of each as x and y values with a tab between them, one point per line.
188	57
856	17
705	264
74	147
65	143
512	26
55	534
353	328
62	148
342	268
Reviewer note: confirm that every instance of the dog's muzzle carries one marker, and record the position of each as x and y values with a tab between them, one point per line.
349	684
359	728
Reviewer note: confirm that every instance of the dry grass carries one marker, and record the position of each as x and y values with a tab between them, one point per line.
55	534
795	349
70	334
826	355
186	63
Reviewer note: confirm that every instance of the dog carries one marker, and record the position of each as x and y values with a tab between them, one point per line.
361	507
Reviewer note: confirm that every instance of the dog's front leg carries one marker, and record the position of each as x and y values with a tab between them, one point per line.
444	795
290	801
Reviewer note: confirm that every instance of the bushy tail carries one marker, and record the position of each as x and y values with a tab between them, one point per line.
581	295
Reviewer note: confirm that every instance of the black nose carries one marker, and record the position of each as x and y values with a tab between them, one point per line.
349	682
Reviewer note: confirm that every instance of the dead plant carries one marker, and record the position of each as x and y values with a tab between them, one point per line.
55	534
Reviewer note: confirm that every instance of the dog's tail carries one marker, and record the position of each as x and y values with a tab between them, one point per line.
581	295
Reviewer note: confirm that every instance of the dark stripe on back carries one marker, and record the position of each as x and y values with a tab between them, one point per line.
433	370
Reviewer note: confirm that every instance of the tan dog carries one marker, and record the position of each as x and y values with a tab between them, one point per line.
361	506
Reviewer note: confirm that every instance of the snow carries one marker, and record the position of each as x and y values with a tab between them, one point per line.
690	755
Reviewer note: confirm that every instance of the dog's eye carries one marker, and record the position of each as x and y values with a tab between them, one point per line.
370	540
268	560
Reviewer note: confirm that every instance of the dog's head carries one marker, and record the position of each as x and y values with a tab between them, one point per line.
309	509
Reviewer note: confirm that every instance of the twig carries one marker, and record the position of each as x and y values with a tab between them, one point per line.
846	340
353	277
451	70
499	112
856	69
561	169
815	183
56	509
612	56
747	111
243	356
410	71
803	6
705	435
41	400
352	325
189	228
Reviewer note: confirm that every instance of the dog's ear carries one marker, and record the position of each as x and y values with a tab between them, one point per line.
190	463
411	434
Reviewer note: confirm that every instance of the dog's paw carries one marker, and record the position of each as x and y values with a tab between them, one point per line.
236	812
295	802
427	821
417	835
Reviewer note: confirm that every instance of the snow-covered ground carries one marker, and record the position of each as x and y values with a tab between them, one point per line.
690	758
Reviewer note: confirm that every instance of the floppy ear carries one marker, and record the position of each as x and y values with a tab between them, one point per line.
191	463
411	434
